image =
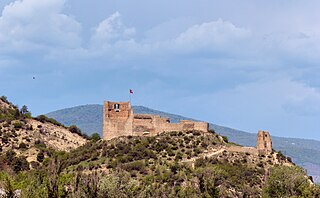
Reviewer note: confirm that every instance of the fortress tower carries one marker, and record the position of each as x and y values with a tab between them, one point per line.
264	143
120	120
117	119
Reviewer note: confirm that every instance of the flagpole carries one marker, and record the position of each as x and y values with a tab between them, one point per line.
130	93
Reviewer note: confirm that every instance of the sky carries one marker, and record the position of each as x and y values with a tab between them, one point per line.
244	64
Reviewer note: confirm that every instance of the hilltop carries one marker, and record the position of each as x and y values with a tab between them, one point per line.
303	152
185	164
32	139
43	158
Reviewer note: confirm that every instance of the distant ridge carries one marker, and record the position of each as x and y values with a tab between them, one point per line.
304	152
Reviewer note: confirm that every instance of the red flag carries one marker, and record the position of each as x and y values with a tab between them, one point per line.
131	92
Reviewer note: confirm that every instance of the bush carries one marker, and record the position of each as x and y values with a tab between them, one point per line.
17	125
5	99
225	139
40	156
76	130
40	144
22	146
43	119
287	181
20	164
5	139
95	137
134	166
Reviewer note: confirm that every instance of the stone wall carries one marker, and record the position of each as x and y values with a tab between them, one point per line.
264	143
119	120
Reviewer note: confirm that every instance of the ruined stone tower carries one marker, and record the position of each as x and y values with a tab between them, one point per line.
117	119
264	143
120	120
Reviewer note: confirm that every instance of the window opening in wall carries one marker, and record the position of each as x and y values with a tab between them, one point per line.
117	107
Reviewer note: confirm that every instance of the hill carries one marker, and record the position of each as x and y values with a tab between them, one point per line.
305	153
42	158
23	138
175	164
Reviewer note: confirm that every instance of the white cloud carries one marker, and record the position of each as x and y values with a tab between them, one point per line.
304	102
27	25
213	35
112	30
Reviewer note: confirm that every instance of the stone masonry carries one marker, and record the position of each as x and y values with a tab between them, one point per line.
264	143
120	120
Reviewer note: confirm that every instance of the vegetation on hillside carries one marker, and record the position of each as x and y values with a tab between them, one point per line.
25	141
169	165
89	119
175	164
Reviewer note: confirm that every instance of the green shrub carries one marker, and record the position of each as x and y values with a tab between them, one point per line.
95	137
287	181
43	119
17	125
225	139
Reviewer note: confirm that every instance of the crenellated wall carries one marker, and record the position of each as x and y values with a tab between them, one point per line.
119	120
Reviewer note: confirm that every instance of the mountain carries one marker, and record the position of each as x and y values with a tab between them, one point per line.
304	152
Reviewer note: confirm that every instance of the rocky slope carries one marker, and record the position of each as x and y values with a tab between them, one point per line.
27	137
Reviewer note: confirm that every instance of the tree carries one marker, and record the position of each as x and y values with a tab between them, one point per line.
95	137
75	129
20	164
286	181
25	112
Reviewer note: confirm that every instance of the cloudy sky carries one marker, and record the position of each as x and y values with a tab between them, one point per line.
245	64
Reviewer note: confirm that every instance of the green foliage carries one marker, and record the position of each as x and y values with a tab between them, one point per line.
4	99
43	119
225	139
142	167
287	181
20	164
18	125
76	130
25	112
95	137
16	163
40	144
9	115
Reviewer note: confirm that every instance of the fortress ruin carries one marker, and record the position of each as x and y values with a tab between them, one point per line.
120	120
264	143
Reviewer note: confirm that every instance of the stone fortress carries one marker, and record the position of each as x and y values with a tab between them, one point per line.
120	120
264	143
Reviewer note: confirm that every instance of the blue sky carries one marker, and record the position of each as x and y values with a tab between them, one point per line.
245	64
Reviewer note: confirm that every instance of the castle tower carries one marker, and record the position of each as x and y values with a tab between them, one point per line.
264	143
120	120
117	119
